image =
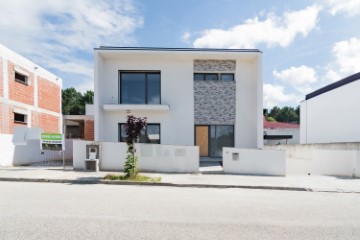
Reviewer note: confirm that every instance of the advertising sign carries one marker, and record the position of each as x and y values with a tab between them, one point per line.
52	142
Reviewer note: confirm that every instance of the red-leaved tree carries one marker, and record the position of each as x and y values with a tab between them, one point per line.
133	127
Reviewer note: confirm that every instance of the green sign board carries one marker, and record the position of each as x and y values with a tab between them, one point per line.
52	141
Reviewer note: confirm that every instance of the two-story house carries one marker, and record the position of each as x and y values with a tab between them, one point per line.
206	97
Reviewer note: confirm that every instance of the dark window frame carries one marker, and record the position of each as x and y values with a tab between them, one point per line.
219	76
152	124
26	82
19	121
120	100
232	74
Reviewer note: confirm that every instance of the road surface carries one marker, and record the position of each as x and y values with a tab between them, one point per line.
64	211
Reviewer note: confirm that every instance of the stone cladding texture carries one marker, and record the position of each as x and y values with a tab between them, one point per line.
215	101
214	65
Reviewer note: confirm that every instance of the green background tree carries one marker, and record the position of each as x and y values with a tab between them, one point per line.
284	114
73	102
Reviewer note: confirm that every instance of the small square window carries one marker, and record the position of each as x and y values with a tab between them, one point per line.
227	77
206	76
20	118
199	76
21	78
211	76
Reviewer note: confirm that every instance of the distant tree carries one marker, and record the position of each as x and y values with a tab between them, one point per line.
297	111
88	97
284	114
274	112
265	112
288	114
73	102
271	119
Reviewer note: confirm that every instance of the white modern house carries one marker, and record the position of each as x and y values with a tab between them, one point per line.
211	98
330	114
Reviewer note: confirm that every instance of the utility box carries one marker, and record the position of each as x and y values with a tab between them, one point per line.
92	157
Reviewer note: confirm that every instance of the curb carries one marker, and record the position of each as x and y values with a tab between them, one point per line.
109	182
164	184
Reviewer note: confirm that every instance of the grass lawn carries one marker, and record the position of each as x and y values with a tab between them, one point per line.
138	178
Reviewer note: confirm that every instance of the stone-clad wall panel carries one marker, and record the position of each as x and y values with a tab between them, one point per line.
214	102
214	65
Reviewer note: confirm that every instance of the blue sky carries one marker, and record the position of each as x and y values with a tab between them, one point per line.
305	44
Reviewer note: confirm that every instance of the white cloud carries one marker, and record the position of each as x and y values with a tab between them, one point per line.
299	78
296	75
349	7
186	37
346	59
273	30
85	85
274	95
72	67
61	34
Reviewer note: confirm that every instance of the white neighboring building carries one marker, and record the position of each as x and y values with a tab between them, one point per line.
330	114
206	97
276	133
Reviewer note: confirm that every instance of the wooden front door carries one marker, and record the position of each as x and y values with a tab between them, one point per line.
202	140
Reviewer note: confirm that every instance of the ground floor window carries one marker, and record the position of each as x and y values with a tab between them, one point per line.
212	138
149	135
20	118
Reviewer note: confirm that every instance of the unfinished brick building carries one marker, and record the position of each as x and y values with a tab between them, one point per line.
29	95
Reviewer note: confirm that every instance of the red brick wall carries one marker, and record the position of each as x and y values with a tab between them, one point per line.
1	78
12	123
89	130
7	119
48	95
4	116
18	91
49	123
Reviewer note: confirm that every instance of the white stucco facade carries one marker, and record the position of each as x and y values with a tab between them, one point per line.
175	114
332	116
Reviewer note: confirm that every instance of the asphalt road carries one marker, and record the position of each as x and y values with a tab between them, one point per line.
61	211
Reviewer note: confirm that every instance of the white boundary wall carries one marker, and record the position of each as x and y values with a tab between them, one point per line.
254	161
17	155
338	159
152	157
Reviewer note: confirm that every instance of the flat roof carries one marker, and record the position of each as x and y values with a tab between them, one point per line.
177	49
334	85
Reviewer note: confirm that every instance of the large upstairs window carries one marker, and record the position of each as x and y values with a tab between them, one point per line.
139	87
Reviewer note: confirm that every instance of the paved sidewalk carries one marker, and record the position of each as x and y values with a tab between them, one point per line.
295	183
